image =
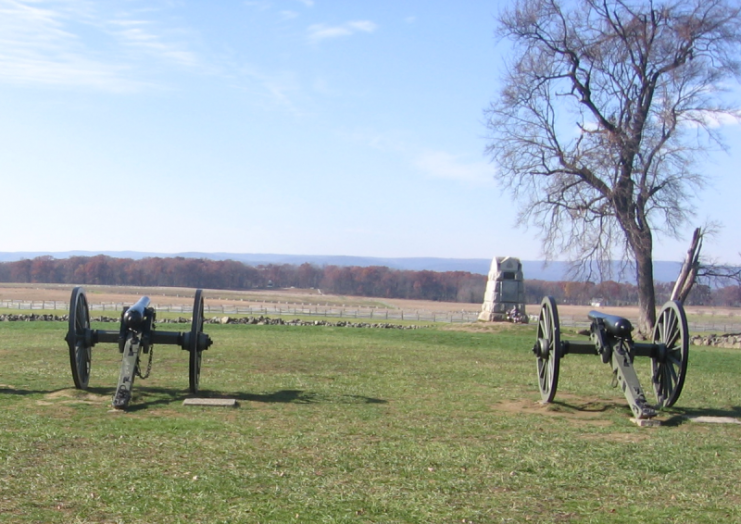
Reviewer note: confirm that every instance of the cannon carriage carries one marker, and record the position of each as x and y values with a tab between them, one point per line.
611	339
136	337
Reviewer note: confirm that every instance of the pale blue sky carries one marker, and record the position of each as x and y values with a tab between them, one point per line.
293	127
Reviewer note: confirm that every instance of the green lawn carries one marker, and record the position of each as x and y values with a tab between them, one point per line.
357	426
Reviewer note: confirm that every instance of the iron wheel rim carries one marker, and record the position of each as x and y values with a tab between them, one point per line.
196	331
669	363
548	362
78	338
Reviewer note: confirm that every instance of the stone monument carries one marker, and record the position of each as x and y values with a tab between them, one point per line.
504	298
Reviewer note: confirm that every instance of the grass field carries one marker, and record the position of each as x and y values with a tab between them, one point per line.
436	425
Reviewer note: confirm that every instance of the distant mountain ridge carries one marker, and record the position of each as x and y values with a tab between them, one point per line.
532	269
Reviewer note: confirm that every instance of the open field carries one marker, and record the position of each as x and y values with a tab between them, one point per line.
340	425
700	318
174	295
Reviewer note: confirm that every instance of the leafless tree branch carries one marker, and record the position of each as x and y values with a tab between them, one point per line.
606	108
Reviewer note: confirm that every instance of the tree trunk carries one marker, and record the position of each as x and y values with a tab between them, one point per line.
690	267
646	293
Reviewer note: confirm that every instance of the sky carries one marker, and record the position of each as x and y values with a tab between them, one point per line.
310	127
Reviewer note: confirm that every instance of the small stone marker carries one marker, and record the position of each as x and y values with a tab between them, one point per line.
221	402
646	422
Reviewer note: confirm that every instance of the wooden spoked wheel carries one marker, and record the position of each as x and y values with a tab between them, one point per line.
79	338
547	349
669	359
195	342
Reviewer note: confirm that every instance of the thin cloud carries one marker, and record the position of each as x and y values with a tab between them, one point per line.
432	163
259	5
365	26
712	119
288	15
319	32
135	34
70	43
439	164
36	47
691	119
278	90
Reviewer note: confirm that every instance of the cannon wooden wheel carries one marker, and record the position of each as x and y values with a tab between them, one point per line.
547	349
669	360
196	343
79	338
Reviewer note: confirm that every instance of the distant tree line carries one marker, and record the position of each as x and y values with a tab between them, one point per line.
449	286
623	294
374	281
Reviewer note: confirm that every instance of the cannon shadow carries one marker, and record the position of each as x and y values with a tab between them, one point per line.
676	416
285	396
294	396
683	416
167	396
7	390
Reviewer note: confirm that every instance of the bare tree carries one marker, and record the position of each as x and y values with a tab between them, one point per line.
695	269
690	268
606	107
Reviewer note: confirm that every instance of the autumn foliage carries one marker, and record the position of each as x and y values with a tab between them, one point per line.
373	281
452	286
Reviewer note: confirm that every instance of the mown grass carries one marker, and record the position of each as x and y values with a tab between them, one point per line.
357	426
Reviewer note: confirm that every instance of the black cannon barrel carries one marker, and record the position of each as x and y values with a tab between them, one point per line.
135	314
615	325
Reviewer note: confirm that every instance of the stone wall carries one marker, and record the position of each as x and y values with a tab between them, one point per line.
261	320
728	340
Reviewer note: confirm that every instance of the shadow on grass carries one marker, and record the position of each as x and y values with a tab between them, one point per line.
162	395
165	396
601	406
682	416
295	396
148	397
5	390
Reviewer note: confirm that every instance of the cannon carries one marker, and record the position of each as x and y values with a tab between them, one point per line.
611	339
135	337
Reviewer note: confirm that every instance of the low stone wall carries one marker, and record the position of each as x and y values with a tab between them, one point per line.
258	321
32	317
261	320
728	340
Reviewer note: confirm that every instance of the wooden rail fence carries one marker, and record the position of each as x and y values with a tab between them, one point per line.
713	325
374	314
